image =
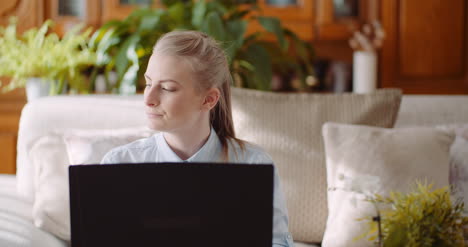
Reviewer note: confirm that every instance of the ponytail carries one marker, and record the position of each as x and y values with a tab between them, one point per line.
221	120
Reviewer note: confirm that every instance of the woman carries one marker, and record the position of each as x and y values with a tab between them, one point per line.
187	98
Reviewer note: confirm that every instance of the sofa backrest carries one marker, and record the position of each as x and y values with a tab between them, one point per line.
432	110
58	113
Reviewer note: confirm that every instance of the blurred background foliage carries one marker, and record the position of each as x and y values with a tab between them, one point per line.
256	59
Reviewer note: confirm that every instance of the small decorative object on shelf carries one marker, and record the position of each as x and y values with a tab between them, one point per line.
365	44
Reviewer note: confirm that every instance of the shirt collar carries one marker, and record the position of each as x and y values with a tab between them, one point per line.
209	152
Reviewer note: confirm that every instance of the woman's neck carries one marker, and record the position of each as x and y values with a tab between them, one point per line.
187	142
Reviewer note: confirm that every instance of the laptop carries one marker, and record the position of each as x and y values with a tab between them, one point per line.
171	205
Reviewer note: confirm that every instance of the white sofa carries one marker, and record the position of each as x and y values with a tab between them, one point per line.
43	116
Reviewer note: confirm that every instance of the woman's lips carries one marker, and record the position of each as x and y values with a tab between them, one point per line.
154	115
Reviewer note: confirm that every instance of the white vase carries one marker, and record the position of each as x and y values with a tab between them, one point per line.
364	71
36	88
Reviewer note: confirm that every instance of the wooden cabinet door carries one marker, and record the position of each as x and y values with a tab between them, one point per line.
10	110
119	9
337	19
297	15
68	13
425	50
30	13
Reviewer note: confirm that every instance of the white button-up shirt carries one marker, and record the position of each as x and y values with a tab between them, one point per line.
156	149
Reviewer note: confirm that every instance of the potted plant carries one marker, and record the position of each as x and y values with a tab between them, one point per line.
44	62
125	46
424	217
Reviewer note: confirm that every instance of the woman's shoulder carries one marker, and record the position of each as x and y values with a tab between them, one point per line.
125	153
247	152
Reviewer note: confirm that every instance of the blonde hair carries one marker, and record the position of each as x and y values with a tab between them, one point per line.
211	70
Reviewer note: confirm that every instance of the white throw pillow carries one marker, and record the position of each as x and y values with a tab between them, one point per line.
459	161
289	127
397	157
53	154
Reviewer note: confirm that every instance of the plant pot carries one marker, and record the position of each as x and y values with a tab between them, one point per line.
36	88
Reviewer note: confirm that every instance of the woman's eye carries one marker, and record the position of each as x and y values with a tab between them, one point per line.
168	89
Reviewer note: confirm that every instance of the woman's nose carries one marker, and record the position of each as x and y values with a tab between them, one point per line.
151	96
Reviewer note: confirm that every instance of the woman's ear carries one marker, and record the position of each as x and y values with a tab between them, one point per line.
211	99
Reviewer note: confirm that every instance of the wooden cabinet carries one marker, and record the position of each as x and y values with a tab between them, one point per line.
336	20
310	19
30	14
10	110
426	48
321	20
297	15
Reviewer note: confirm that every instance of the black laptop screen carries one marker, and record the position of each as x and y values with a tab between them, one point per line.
171	204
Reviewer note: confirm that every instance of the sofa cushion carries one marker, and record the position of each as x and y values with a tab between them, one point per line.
459	161
53	153
16	227
289	126
58	113
376	160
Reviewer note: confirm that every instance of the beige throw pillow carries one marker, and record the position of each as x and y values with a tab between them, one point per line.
459	162
53	153
289	127
397	157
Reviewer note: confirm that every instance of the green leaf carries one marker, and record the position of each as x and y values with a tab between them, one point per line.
176	12
198	13
213	26
128	83
273	25
215	6
138	14
107	41
149	23
246	65
169	3
258	56
121	59
40	35
236	33
238	14
97	36
236	29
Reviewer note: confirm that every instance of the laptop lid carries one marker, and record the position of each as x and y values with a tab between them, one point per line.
171	204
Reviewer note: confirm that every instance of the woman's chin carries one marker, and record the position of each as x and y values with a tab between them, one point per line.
156	127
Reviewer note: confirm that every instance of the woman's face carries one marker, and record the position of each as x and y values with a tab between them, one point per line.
172	102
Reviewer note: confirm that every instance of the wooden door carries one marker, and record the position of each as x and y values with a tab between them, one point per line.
425	51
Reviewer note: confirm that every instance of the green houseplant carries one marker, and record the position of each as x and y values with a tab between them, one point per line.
424	217
59	62
125	46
